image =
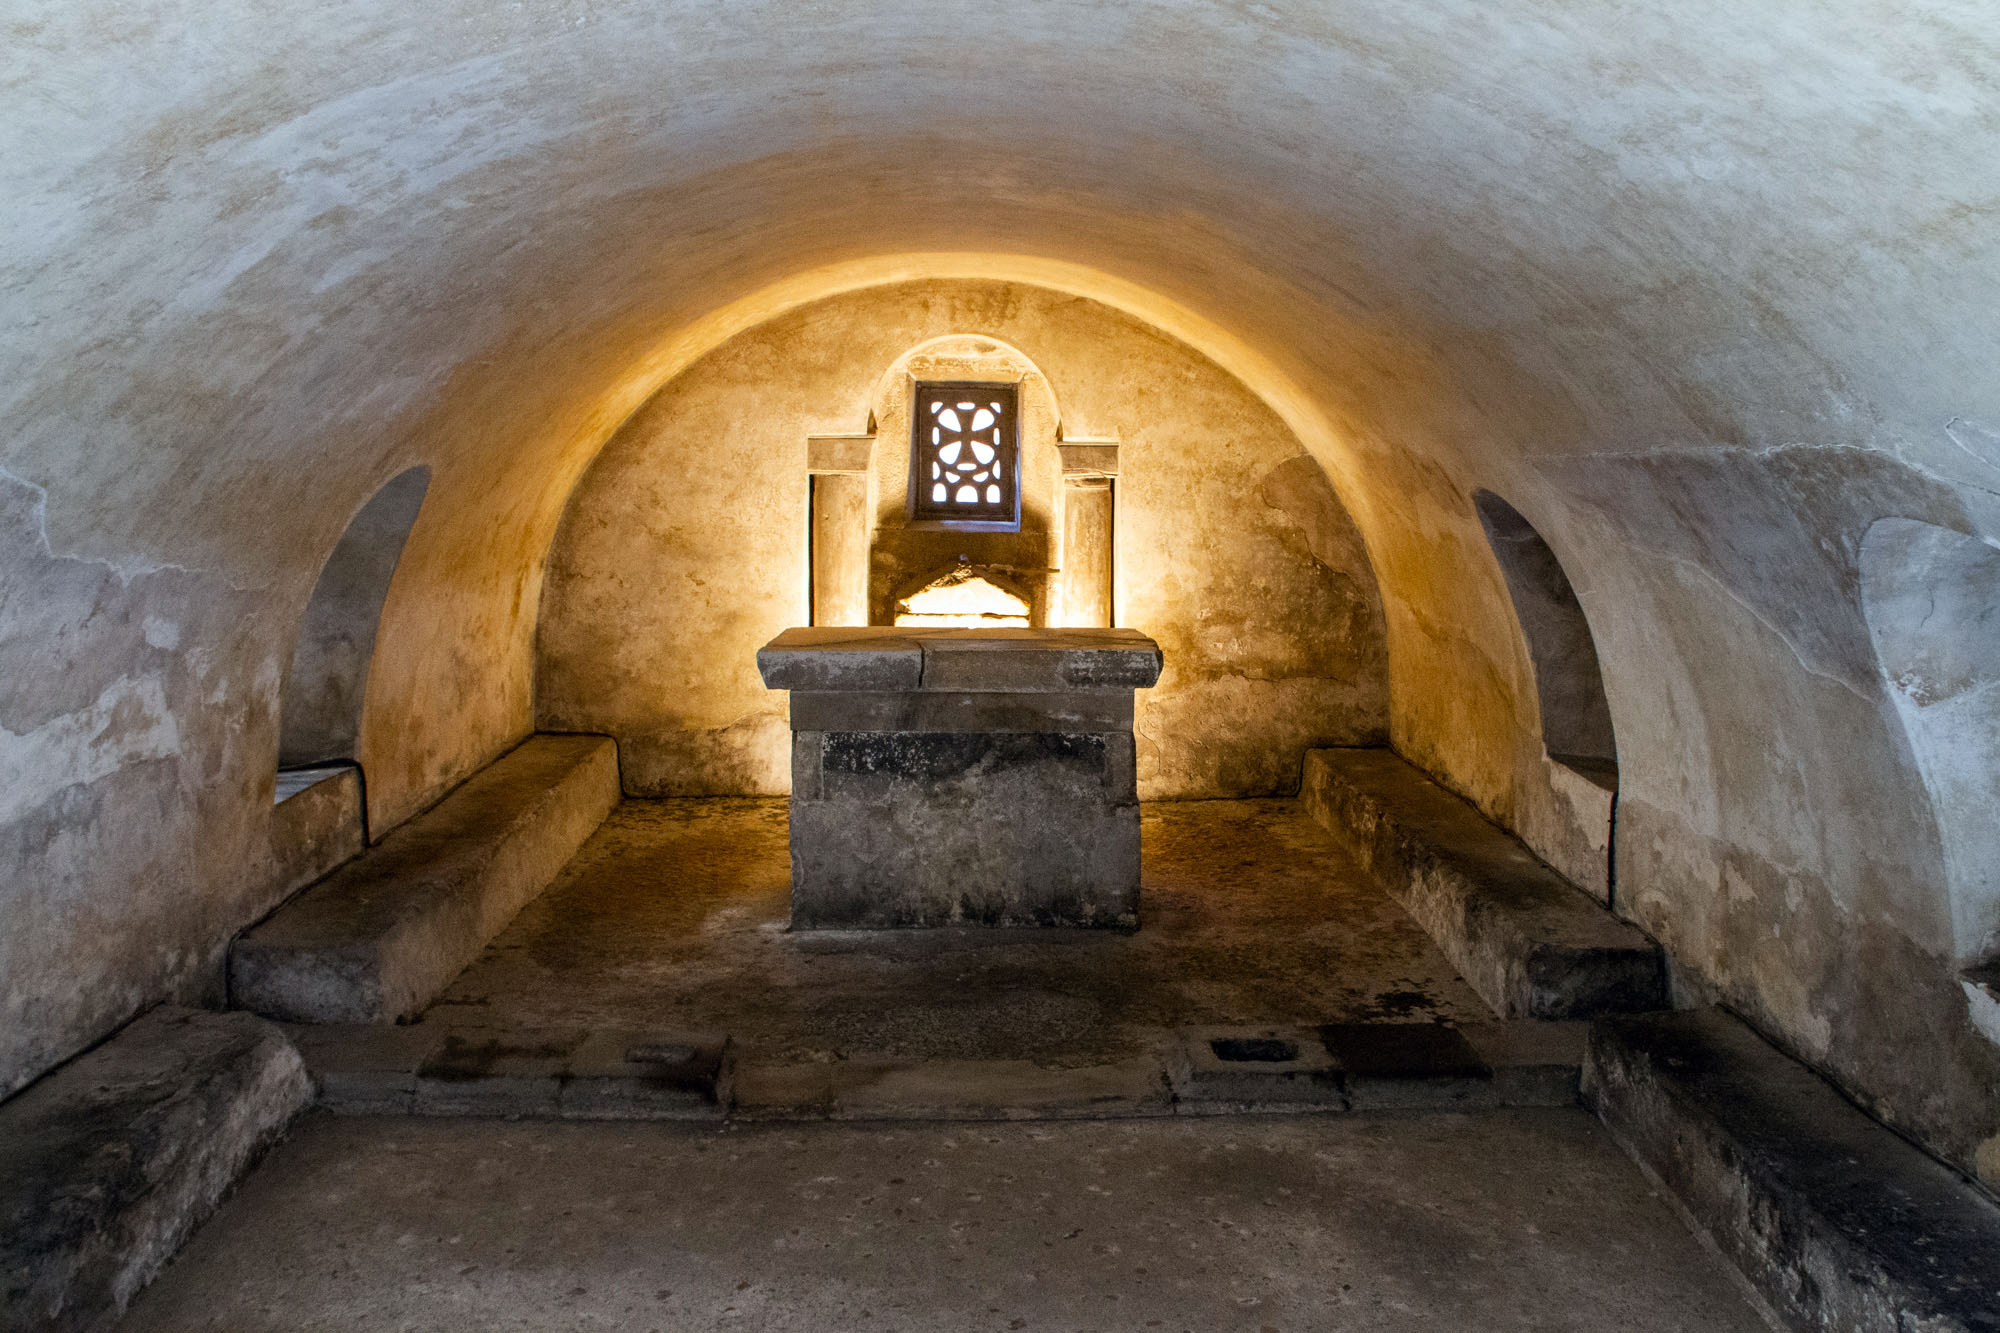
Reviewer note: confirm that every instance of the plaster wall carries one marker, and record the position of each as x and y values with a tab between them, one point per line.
684	547
1703	289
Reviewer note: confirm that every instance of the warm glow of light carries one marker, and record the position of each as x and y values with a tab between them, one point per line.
1248	364
965	603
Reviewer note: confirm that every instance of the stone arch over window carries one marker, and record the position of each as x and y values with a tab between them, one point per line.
1569	684
1931	597
320	708
873	547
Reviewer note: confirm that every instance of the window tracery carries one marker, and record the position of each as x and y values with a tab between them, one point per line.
964	453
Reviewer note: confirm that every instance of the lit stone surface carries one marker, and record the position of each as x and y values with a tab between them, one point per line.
961	776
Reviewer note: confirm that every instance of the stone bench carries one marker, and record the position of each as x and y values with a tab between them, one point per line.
107	1164
1532	944
1837	1221
378	939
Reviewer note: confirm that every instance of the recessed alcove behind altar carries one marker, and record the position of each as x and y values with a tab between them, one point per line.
768	485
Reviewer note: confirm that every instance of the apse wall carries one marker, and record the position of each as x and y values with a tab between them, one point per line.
685	546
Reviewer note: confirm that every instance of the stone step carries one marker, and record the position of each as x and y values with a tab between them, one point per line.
1532	944
568	1073
451	1069
108	1163
1374	1067
376	940
886	1089
1836	1220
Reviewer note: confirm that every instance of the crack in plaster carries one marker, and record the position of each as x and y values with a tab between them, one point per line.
128	571
1689	563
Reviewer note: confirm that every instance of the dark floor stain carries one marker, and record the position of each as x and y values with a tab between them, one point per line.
1394	1004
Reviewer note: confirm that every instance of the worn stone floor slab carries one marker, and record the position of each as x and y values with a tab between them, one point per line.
1512	1220
673	916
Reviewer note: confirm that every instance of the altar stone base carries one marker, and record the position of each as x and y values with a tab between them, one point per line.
962	777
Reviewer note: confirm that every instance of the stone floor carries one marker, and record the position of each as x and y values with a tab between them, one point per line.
1502	1220
673	916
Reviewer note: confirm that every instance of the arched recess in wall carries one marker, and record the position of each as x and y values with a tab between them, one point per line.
875	555
1932	601
1569	684
327	678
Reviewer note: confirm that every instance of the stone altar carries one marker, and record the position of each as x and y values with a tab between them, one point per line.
962	776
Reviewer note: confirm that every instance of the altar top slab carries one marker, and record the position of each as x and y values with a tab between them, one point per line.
968	661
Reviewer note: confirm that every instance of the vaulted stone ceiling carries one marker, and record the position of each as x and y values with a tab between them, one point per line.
1702	289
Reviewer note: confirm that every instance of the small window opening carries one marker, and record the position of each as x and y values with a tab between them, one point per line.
966	599
964	455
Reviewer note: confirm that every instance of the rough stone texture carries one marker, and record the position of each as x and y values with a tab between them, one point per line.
1009	828
469	1069
316	825
998	789
1568	820
446	1068
674	913
1527	940
986	661
643	637
1251	1070
1837	1221
109	1163
1373	1066
1533	1063
1367	1224
877	1089
379	939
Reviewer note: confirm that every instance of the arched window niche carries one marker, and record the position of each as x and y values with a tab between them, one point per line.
1931	597
327	677
882	554
1569	817
1569	684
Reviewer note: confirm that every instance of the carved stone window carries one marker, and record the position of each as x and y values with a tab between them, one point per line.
964	454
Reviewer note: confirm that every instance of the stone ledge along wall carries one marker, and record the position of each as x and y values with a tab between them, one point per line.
685	547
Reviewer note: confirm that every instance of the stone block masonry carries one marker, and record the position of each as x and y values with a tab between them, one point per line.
962	777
